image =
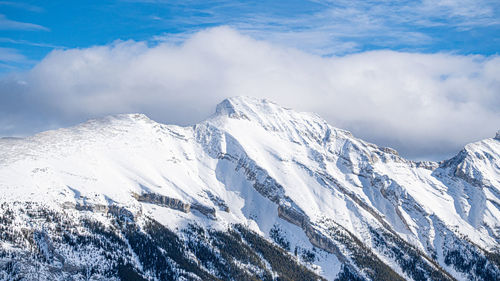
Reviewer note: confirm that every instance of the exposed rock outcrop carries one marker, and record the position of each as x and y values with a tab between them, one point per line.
164	201
315	237
175	204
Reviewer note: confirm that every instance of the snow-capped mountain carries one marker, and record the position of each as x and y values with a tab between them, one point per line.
255	192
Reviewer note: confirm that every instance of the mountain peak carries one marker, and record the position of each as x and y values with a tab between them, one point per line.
497	137
246	107
264	111
300	127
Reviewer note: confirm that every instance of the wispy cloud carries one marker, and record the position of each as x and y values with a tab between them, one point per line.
12	60
7	24
458	13
452	13
341	26
381	23
29	43
20	5
12	55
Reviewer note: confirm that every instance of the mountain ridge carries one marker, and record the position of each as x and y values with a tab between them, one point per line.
290	177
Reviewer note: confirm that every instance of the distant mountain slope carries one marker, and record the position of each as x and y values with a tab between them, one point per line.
257	191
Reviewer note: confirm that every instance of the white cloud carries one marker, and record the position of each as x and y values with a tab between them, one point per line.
425	105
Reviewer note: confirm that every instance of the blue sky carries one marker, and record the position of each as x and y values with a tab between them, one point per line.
419	76
31	29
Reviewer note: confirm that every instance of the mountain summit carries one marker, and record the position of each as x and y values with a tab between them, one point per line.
255	192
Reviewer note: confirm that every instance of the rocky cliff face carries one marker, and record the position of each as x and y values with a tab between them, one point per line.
257	191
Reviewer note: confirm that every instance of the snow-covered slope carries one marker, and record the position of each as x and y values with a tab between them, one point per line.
342	207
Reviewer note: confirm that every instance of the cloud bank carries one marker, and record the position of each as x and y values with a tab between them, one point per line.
425	105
